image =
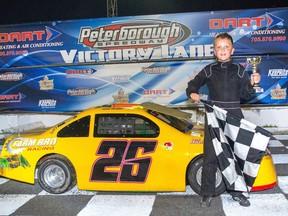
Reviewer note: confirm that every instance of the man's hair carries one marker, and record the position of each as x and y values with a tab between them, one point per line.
224	35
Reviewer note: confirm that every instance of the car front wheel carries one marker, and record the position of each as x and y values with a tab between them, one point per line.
194	174
56	175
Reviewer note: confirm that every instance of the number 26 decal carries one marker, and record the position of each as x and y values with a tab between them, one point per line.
118	161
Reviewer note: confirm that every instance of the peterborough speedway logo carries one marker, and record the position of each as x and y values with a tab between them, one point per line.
151	33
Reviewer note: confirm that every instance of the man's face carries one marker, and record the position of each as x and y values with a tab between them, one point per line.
223	49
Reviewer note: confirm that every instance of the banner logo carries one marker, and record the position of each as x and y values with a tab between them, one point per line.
87	72
47	103
156	69
81	91
12	98
11	76
273	20
278	73
37	35
46	84
278	93
121	97
270	21
137	34
121	78
158	92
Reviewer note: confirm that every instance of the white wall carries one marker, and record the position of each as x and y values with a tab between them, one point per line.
274	119
19	123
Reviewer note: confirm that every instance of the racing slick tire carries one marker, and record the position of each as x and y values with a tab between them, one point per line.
194	174
56	175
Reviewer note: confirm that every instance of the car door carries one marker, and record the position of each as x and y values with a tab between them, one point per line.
132	153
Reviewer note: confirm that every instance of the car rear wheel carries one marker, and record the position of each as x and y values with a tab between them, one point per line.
194	175
56	175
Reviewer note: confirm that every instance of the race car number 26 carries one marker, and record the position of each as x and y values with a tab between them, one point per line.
118	161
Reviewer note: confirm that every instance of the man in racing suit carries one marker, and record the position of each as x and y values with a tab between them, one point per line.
228	84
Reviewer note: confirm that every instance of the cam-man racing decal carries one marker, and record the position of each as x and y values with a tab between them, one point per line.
119	161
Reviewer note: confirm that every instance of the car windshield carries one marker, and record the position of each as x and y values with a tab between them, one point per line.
177	123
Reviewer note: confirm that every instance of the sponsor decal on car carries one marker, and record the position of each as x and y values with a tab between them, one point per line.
169	145
18	145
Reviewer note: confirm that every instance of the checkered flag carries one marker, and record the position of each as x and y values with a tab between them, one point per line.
239	146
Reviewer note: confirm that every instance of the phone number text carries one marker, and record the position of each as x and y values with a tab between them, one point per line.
268	39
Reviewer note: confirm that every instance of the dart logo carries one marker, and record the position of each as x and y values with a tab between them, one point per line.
51	34
158	92
269	20
48	35
12	98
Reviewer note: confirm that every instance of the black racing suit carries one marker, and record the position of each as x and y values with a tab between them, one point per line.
228	84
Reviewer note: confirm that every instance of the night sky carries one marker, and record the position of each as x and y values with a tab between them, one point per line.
25	11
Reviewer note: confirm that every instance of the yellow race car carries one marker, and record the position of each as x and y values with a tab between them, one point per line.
117	148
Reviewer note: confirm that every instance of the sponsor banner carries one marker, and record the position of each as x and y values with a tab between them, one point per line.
73	65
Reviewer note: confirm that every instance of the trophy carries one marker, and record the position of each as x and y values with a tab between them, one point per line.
254	61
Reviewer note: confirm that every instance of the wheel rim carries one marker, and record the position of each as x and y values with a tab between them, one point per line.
54	176
218	179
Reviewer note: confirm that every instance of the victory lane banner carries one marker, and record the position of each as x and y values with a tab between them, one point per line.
76	64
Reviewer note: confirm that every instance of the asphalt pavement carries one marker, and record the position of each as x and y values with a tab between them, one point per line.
23	199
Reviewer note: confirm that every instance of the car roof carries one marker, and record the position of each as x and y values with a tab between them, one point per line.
140	108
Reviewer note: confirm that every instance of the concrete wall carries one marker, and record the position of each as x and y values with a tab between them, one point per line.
274	119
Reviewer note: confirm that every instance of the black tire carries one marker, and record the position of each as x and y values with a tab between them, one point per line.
194	174
56	175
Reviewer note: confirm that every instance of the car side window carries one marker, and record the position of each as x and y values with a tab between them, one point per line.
118	125
78	128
